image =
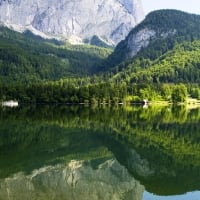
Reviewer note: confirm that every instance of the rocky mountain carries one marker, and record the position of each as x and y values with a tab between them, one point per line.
76	20
157	34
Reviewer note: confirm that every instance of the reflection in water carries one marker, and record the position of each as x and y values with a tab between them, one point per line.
76	180
99	153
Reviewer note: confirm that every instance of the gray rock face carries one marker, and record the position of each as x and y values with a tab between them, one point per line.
141	39
135	41
139	165
111	20
77	180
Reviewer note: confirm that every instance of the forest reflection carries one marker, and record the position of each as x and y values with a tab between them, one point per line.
158	146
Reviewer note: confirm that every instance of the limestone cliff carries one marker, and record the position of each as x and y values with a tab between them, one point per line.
76	20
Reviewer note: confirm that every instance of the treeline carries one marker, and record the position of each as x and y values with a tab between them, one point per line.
142	79
102	93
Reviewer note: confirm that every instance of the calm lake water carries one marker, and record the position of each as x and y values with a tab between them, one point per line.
107	153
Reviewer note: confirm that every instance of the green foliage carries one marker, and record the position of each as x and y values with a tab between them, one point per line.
77	91
166	91
195	93
179	94
181	64
25	58
95	40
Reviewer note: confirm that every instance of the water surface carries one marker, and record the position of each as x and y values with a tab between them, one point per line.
77	152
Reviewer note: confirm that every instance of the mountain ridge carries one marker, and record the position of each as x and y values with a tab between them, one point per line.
111	20
170	58
160	30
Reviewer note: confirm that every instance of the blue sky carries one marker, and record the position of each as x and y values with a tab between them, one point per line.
191	6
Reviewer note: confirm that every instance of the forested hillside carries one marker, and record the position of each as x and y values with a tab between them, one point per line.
169	27
166	69
25	58
179	65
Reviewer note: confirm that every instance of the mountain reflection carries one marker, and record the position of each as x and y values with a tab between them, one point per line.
76	180
74	152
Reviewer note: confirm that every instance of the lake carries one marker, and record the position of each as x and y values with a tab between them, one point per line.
99	153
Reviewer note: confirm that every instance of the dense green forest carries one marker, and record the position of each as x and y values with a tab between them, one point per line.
179	65
104	93
25	58
36	70
161	79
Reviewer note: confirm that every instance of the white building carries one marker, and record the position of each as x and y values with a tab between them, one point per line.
10	103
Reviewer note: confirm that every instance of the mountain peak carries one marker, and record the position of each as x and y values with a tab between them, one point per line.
111	20
158	26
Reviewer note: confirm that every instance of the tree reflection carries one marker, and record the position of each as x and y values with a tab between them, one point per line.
159	145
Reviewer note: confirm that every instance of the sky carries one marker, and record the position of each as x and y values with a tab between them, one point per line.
191	6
